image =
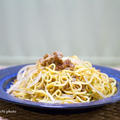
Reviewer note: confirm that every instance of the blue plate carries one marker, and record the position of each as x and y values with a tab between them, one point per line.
9	74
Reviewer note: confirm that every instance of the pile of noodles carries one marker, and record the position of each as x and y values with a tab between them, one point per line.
45	84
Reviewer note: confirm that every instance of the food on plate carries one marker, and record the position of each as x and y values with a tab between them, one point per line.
58	79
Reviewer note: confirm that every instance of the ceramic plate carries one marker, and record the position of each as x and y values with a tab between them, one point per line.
9	74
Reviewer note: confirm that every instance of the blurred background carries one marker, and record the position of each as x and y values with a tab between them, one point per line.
87	28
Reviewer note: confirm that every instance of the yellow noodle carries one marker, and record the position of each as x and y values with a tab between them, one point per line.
45	84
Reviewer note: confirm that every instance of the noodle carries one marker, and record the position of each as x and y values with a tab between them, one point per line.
76	82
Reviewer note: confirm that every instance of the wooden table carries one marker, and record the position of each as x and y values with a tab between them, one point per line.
10	111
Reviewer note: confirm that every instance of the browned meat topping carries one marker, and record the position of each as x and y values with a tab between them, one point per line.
67	64
56	58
